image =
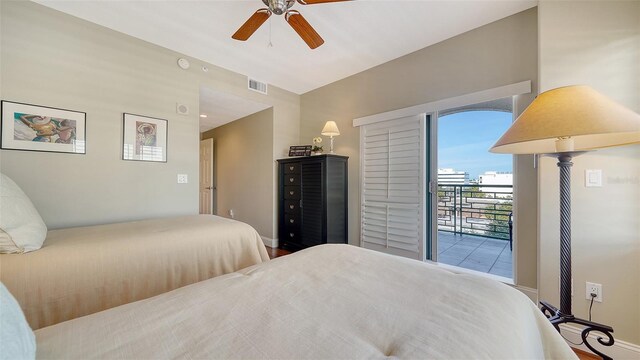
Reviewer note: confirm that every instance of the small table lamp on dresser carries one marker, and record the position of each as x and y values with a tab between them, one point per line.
564	123
330	129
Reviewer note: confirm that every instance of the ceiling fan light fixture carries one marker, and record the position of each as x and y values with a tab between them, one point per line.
311	2
279	7
293	17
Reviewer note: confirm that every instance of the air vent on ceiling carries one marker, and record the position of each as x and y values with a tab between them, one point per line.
258	86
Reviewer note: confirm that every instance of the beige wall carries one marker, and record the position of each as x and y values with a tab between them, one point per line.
501	53
286	132
243	163
54	59
598	44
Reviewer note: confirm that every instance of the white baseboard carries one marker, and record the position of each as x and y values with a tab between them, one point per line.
272	243
620	350
530	292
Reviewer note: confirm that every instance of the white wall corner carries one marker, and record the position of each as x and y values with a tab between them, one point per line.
620	349
272	243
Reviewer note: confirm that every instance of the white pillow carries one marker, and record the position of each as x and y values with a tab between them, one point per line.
17	340
21	227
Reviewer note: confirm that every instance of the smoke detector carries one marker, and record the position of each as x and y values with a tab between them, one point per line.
183	63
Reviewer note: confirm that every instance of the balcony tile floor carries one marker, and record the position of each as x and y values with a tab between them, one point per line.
487	255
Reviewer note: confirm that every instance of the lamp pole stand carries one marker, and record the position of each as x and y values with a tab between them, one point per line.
565	164
331	151
564	315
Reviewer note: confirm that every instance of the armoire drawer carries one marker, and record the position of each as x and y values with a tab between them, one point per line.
292	235
292	168
292	220
292	192
291	179
292	206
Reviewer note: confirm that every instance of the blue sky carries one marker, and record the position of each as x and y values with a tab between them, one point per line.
464	140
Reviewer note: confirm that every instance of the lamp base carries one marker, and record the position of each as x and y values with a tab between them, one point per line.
556	317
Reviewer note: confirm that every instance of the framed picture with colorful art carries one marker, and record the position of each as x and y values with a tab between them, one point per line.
144	138
41	128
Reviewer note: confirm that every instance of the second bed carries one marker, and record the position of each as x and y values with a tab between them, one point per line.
80	271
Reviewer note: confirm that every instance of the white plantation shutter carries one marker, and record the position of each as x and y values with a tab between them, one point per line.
392	185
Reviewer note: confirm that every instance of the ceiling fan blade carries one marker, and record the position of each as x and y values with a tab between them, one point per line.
303	28
250	26
311	2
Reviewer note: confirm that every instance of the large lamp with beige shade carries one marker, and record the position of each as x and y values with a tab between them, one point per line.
330	129
564	123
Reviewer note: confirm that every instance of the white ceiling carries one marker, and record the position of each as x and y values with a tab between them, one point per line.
222	108
358	34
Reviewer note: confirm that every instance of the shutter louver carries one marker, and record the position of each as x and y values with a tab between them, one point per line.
393	192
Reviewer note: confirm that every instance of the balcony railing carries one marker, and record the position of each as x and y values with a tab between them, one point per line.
481	210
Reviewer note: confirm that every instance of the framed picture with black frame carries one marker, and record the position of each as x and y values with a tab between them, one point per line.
144	138
31	127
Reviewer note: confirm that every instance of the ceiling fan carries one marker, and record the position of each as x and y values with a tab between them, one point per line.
293	17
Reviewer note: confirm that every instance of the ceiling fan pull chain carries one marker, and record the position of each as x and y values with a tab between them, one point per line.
270	44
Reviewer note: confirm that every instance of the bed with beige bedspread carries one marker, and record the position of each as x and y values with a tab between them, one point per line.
326	302
84	270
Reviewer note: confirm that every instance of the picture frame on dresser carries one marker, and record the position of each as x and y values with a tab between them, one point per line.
29	127
300	150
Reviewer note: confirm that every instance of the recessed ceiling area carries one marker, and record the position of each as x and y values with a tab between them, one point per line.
221	108
358	34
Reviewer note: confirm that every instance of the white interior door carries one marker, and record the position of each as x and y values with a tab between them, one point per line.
206	176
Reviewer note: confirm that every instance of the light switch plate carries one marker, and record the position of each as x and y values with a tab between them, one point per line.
593	178
183	179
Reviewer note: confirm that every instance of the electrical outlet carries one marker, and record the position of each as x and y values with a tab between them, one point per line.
183	179
593	288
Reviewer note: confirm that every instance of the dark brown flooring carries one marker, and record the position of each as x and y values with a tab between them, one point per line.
275	252
583	355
